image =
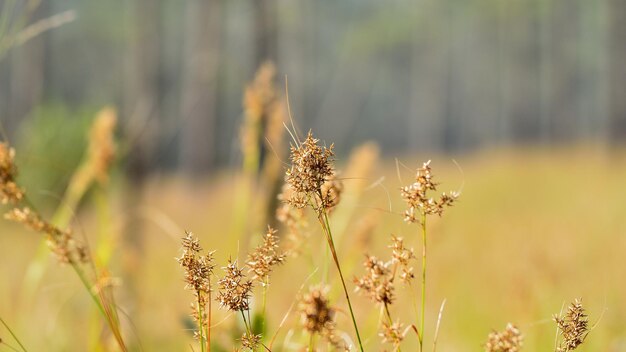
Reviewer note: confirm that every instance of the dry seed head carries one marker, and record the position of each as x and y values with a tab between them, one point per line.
401	256
393	333
318	317
198	268
265	257
311	167
377	283
508	340
101	144
315	311
9	190
61	242
574	327
331	192
250	341
234	288
417	198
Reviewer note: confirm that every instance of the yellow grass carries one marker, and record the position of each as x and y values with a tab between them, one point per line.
533	230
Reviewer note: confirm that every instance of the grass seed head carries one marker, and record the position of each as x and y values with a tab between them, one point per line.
574	327
508	340
234	288
318	317
311	167
262	260
198	268
250	341
393	333
416	195
61	242
377	283
10	192
402	257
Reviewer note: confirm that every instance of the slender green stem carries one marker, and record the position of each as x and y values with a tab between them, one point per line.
311	345
397	348
423	223
245	322
200	324
208	324
113	325
13	334
323	217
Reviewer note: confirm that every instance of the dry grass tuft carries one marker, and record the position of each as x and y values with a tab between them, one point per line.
508	340
417	198
574	327
262	260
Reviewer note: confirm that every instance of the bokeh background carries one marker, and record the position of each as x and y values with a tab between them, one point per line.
521	104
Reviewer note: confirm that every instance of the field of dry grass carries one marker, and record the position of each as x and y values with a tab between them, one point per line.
533	230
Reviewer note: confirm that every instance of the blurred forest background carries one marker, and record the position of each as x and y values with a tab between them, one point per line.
413	75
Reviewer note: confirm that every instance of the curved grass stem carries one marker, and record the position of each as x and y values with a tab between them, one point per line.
323	218
12	335
423	308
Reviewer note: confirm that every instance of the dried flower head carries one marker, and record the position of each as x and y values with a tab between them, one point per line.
61	242
508	340
402	256
265	257
331	192
9	190
377	283
318	317
198	268
393	333
234	288
250	341
574	327
101	145
417	198
311	167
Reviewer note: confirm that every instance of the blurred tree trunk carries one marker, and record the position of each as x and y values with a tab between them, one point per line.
617	67
141	124
265	27
199	86
27	71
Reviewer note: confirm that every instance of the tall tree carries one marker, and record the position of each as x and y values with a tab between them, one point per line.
617	80
199	86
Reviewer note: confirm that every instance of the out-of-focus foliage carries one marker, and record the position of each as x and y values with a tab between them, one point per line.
52	143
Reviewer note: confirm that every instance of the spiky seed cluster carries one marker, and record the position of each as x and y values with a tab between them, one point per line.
311	167
9	190
574	327
262	260
318	317
315	310
198	268
508	340
250	341
402	257
393	333
234	288
331	192
377	283
417	198
61	242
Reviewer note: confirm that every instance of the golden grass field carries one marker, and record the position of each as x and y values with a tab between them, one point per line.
534	229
